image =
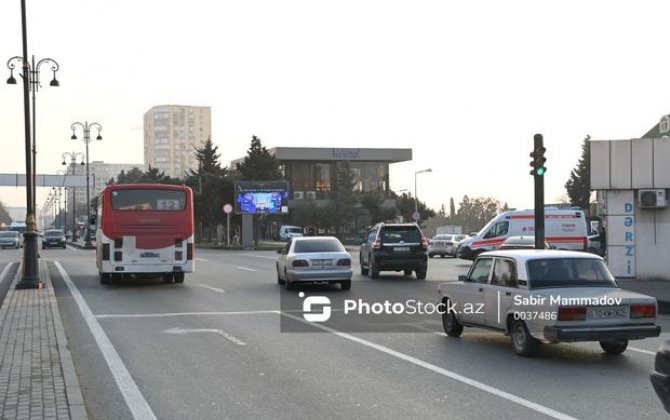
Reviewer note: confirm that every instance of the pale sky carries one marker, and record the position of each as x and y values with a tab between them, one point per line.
465	84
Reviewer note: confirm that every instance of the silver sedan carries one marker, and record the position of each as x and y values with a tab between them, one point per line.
314	259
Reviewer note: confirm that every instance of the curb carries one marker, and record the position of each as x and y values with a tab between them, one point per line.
75	400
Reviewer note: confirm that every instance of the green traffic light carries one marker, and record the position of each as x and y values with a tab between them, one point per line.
541	170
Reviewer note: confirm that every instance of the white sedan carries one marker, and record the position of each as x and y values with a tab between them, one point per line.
547	296
314	259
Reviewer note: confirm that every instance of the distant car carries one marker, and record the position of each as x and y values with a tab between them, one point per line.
660	376
314	259
53	238
520	242
444	244
394	247
287	232
547	296
10	239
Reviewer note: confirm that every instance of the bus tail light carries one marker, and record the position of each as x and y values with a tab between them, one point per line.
118	256
189	251
572	314
178	255
642	311
105	252
118	242
177	243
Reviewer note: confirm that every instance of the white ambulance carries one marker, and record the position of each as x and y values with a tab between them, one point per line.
563	229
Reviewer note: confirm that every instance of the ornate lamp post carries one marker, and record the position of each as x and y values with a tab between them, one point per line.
73	201
34	85
86	127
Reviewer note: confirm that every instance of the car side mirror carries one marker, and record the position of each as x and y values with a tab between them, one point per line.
462	278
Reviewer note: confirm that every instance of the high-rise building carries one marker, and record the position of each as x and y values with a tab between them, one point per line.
171	134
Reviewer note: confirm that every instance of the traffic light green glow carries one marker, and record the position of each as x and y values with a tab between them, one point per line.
541	170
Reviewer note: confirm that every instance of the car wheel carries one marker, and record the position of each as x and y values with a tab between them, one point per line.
408	272
431	255
421	274
179	277
168	278
279	279
522	342
364	270
374	274
451	326
287	282
105	278
346	285
614	346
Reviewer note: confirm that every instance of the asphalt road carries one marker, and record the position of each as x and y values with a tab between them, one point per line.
213	348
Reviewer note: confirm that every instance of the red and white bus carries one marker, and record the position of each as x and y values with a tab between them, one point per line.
145	229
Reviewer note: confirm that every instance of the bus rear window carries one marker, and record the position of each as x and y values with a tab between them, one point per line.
148	200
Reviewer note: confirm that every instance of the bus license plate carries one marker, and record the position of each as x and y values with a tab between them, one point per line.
608	313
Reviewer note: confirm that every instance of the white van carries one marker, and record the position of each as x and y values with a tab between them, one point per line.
563	229
287	232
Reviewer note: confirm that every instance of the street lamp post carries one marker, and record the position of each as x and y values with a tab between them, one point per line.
416	197
73	201
64	192
34	85
86	127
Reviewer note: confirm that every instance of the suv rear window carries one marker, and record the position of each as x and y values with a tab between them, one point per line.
396	234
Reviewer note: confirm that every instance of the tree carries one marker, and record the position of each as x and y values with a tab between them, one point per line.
405	206
578	185
452	208
259	164
473	214
150	176
212	186
4	215
345	198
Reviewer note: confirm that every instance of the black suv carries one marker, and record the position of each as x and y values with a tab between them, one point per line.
395	247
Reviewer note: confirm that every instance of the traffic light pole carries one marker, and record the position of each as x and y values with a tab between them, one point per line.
538	177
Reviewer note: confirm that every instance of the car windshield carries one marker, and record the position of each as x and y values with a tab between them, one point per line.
318	245
53	233
567	272
9	234
396	234
444	237
295	230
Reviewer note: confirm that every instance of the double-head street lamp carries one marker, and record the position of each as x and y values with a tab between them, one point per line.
416	216
33	71
73	201
86	127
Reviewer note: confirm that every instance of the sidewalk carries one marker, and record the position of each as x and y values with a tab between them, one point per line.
37	376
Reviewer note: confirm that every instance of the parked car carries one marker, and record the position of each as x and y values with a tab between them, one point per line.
53	238
314	259
444	244
10	239
520	242
287	232
394	247
547	296
660	376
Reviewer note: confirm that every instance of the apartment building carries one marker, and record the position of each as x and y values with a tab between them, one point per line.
171	134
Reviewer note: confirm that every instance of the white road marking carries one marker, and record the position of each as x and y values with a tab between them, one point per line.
258	256
5	271
453	375
651	353
72	248
245	268
175	314
131	394
201	259
183	331
212	288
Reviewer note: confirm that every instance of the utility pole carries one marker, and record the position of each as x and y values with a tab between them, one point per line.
538	172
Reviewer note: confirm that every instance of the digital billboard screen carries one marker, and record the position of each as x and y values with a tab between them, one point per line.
261	197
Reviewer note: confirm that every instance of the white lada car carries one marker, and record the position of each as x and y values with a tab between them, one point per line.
547	296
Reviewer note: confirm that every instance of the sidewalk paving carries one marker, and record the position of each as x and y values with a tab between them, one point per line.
37	375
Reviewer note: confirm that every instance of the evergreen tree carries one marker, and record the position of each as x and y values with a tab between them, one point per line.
259	164
405	206
578	185
452	208
4	215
